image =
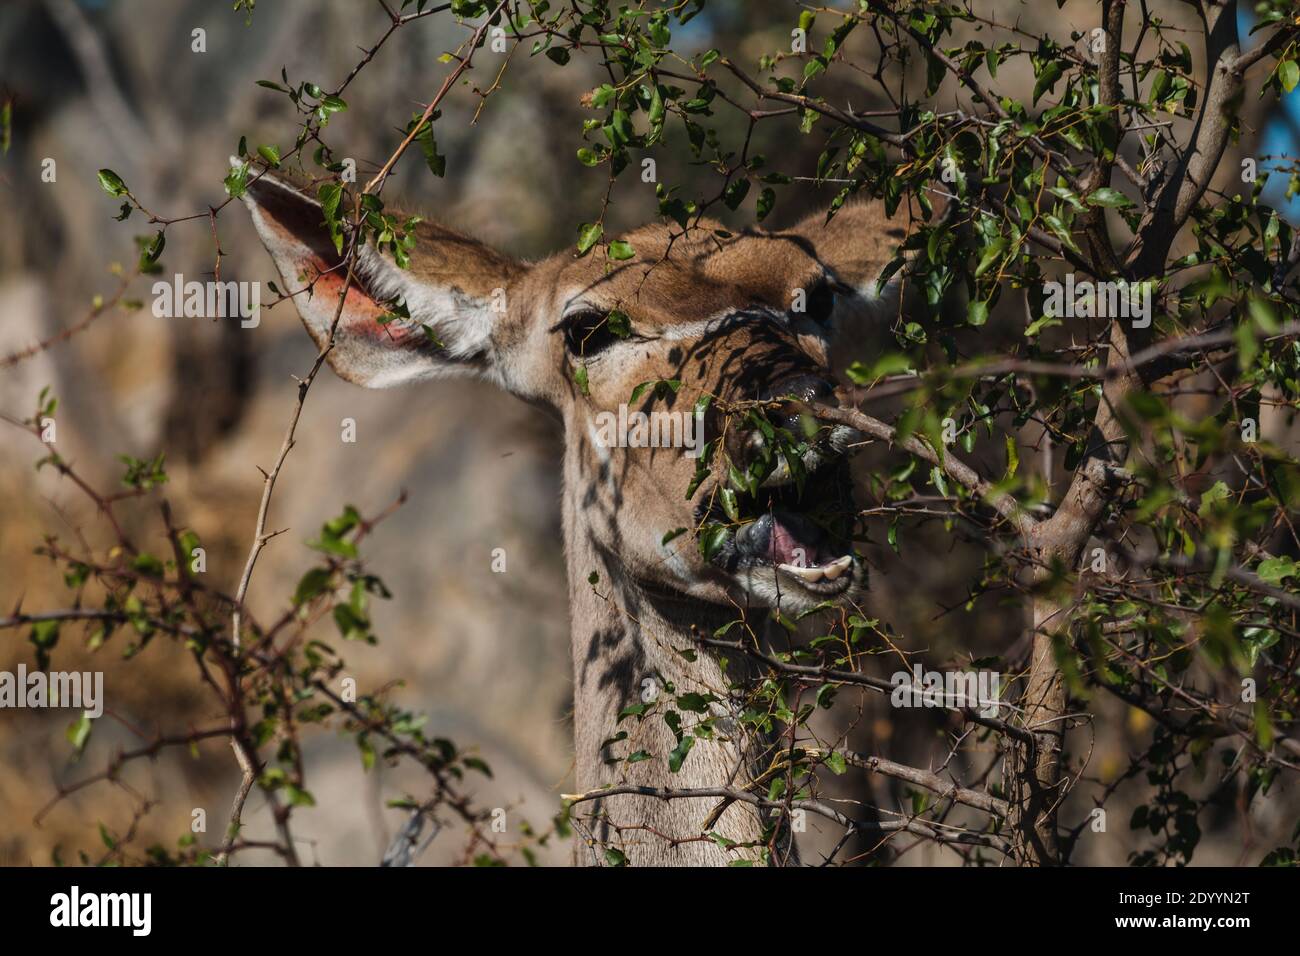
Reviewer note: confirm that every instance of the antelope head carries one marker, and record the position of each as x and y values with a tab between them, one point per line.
751	320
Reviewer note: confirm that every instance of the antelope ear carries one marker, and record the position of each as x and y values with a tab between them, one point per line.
454	291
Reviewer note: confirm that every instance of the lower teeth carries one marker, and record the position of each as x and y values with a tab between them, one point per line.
830	571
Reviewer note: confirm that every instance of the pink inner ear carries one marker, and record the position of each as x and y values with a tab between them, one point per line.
361	313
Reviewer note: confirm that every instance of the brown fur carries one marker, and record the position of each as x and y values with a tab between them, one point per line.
631	625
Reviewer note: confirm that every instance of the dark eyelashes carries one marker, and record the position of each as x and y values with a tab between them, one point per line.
588	333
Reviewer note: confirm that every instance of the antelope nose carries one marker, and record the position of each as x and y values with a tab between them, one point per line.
798	392
805	388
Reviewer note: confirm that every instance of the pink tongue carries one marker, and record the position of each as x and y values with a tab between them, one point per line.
787	549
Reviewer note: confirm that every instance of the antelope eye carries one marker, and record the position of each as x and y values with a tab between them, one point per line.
589	332
821	302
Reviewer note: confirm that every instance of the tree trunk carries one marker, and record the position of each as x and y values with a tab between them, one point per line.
1034	781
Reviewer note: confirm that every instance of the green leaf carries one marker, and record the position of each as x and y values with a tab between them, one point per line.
695	703
1047	78
729	505
678	755
712	538
992	252
589	234
330	196
112	183
298	797
1216	493
1013	456
333	104
236	183
148	565
620	250
151	249
1109	197
735	193
271	154
436	162
891	363
1273	570
312	584
1288	74
619	324
78	732
1061	232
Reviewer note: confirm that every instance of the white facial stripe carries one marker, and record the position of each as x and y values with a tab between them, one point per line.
604	455
704	327
880	302
695	330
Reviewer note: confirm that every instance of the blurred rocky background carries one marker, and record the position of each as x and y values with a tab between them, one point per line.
116	84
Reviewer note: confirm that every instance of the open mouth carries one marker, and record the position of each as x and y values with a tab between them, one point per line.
796	534
801	551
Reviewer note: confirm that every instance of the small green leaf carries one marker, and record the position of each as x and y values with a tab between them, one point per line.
78	732
1047	78
618	323
312	584
1288	74
333	104
589	234
436	162
1109	197
112	183
712	538
678	755
1273	570
271	154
